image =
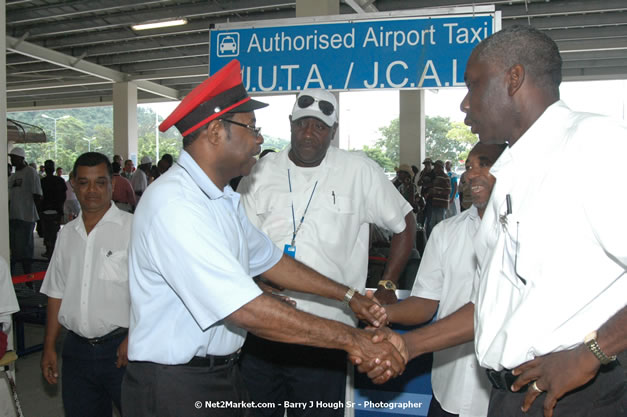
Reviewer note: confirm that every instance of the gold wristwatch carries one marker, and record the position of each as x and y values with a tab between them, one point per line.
591	341
387	284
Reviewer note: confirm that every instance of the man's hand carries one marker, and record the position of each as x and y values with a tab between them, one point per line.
556	374
122	353
386	296
368	309
376	371
382	356
49	366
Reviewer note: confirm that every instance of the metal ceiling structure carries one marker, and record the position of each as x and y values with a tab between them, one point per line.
64	53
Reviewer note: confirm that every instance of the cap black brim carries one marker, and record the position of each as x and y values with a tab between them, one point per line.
248	106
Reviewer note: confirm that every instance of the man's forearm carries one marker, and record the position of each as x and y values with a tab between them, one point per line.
271	319
612	336
449	331
293	275
52	323
400	249
412	311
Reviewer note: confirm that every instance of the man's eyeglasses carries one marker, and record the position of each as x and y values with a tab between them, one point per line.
255	130
326	107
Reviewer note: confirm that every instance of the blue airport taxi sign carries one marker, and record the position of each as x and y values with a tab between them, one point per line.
405	52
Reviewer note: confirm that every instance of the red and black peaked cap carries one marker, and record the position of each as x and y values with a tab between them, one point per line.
221	93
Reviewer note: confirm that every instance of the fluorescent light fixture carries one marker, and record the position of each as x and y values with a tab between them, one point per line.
160	24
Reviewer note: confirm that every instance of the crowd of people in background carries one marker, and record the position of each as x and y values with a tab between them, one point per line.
435	193
42	199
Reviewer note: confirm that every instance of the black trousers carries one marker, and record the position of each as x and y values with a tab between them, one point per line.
279	372
90	381
154	390
604	396
436	410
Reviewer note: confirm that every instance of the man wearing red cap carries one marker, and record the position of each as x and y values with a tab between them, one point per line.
193	300
317	202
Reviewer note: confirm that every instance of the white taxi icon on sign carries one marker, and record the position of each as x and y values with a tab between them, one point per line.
228	44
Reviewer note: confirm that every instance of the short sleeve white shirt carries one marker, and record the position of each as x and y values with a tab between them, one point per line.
8	301
351	191
23	184
446	274
554	269
192	255
89	273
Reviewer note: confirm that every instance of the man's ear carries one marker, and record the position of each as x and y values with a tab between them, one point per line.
213	131
515	78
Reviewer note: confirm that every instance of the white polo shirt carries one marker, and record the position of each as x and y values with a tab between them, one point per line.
446	274
351	191
563	237
89	273
192	255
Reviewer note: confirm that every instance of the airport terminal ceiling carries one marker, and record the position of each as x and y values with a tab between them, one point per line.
65	53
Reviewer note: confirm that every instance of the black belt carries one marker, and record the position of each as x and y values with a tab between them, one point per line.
503	380
211	361
102	339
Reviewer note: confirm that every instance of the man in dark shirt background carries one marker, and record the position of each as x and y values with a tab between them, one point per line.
53	188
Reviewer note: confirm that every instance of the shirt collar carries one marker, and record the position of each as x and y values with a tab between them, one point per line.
112	215
536	142
202	180
199	177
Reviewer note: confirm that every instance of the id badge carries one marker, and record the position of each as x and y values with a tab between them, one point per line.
289	250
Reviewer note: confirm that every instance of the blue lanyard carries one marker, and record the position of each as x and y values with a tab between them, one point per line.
296	229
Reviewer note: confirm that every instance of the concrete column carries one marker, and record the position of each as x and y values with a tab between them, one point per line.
4	191
412	127
125	121
308	8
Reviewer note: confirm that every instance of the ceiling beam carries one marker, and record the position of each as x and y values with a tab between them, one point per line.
70	62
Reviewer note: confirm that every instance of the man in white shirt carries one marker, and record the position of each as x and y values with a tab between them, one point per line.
317	202
192	255
87	287
8	306
444	284
24	196
139	180
549	297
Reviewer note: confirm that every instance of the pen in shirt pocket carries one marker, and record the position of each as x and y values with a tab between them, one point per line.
333	195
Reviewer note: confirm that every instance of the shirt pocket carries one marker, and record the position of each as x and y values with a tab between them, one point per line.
114	265
337	221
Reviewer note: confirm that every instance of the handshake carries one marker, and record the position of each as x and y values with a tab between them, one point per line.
378	351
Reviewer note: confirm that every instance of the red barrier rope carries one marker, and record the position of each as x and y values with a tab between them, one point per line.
377	258
36	276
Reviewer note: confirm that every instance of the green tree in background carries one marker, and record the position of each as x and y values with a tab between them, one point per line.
271	142
88	123
389	142
461	133
444	140
377	155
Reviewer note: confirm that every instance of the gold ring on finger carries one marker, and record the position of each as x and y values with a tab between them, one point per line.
534	387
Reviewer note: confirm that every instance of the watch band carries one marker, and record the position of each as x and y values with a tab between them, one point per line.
349	295
387	284
591	341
